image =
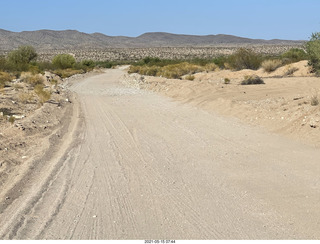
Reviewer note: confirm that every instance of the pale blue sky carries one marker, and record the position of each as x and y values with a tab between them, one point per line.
266	19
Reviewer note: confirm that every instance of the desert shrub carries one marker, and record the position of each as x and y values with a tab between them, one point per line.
220	61
63	61
171	71
294	55
134	69
190	77
314	100
252	80
313	51
5	77
33	80
105	64
210	67
175	71
19	59
34	69
226	81
271	65
65	73
42	94
244	59
11	119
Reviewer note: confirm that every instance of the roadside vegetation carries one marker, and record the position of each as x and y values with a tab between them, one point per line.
241	59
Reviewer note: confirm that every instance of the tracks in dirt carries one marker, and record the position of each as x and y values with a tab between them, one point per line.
135	165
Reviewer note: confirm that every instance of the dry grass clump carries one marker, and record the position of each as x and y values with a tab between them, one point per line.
25	97
290	71
271	65
33	80
5	77
41	93
252	80
189	77
65	73
210	67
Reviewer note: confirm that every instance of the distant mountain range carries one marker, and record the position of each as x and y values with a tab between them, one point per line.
72	39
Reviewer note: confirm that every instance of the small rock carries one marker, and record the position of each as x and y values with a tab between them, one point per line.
24	157
7	198
94	216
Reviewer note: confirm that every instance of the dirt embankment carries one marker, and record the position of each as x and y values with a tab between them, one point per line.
28	128
282	105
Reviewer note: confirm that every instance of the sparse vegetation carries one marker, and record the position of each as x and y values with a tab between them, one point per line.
41	93
4	77
271	65
314	100
190	77
26	97
33	80
252	80
291	70
227	81
171	71
11	119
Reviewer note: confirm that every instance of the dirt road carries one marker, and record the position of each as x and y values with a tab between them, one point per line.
136	165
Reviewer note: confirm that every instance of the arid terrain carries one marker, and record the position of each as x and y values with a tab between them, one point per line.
119	156
281	105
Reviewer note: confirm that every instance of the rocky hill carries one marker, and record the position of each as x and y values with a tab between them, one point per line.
72	39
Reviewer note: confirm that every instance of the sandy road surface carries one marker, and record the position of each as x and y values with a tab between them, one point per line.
136	165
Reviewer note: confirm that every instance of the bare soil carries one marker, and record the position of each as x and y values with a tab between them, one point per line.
281	105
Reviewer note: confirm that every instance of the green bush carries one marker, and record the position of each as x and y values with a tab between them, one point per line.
252	80
220	61
244	59
63	61
294	55
104	64
313	51
19	59
3	63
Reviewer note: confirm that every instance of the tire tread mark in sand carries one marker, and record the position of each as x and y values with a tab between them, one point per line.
83	207
178	202
112	144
